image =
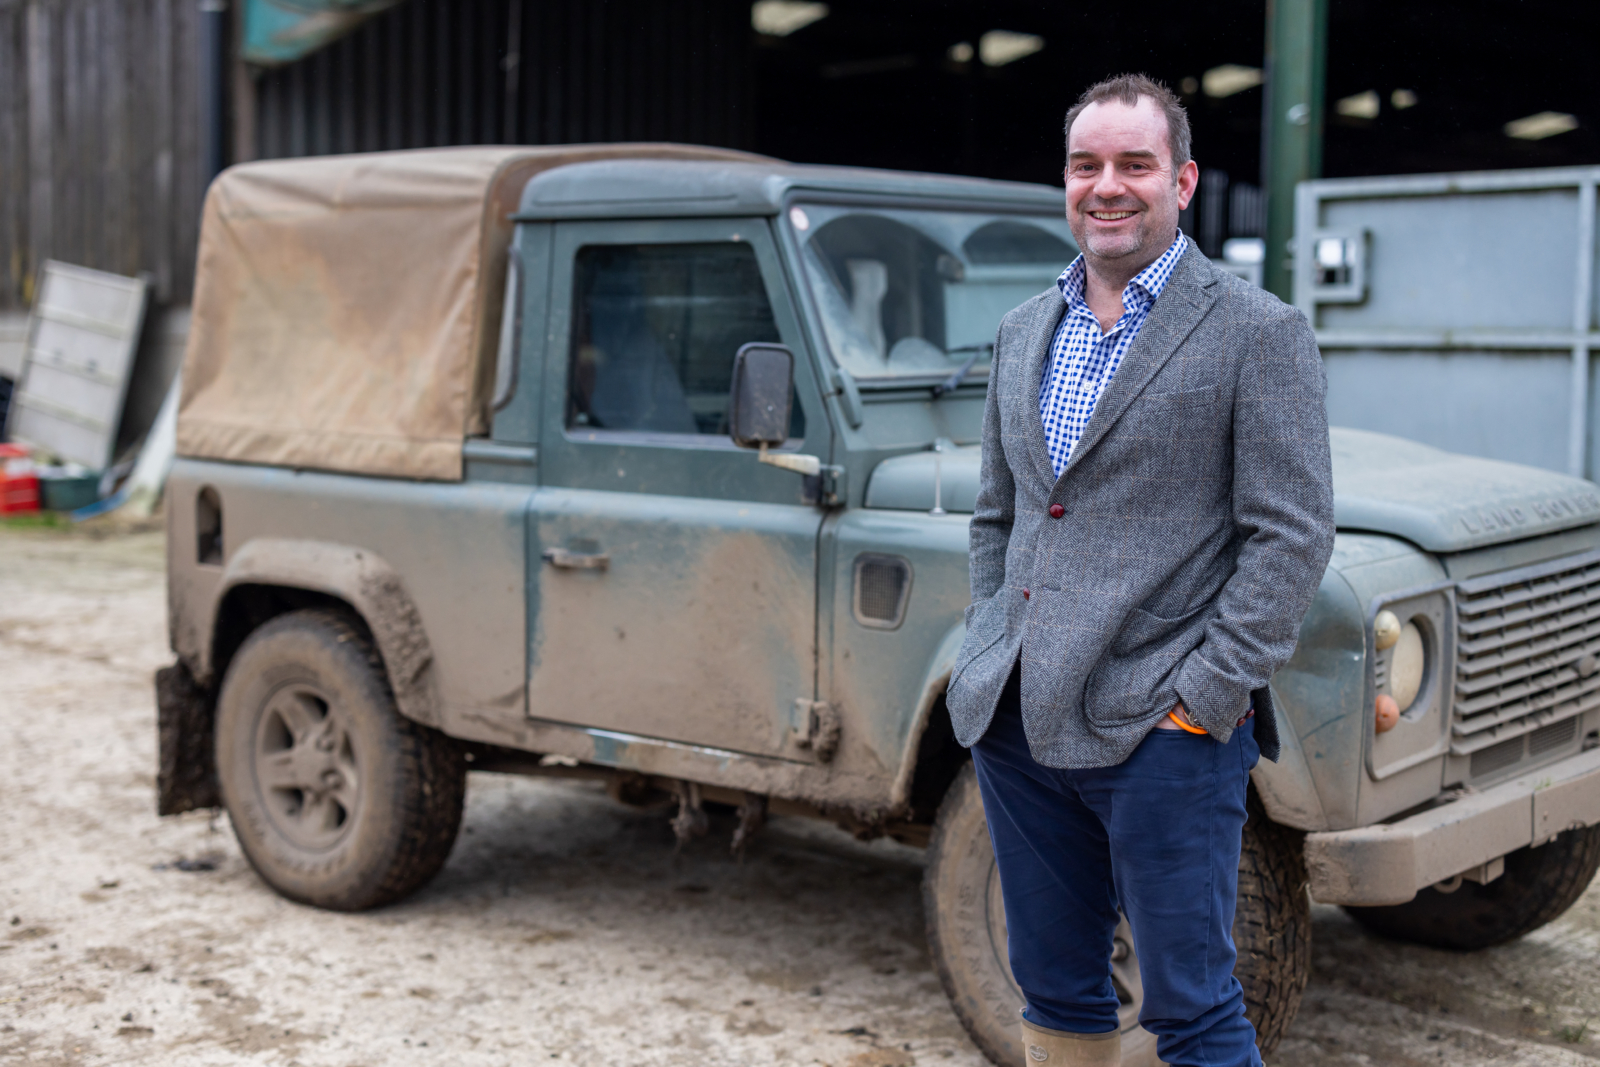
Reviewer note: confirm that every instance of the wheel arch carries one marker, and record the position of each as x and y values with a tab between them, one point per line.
268	577
931	758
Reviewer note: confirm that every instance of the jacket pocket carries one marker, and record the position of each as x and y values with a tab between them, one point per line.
986	627
1142	629
1208	394
1135	673
1176	422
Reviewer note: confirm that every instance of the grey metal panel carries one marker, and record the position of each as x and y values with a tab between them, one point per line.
1506	405
1466	317
1446	262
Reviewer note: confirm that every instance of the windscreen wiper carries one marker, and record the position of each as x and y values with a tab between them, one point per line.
962	371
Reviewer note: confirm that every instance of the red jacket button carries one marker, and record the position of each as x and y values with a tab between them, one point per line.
1024	594
1056	511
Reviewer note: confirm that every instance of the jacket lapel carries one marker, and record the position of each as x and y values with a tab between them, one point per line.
1041	336
1184	301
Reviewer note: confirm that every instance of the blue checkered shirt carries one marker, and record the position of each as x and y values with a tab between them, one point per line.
1082	359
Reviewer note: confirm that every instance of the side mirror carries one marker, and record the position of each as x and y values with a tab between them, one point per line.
761	396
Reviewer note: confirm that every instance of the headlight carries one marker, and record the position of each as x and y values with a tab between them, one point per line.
1412	667
1406	666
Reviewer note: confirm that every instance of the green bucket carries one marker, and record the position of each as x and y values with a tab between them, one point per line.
68	492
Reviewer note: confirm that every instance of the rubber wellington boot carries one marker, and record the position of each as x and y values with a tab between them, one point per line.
1057	1048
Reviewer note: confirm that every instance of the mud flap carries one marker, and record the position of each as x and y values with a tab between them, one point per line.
187	776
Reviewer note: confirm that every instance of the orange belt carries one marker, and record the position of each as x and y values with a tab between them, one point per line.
1173	715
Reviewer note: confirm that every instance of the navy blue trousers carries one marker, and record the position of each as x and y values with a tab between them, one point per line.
1158	836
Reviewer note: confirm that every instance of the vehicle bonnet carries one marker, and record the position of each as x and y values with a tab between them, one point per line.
1440	501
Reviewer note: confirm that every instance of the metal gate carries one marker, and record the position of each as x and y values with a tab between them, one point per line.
1457	309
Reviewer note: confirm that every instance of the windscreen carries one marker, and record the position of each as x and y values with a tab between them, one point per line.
917	294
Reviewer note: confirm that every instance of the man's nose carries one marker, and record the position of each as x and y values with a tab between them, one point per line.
1108	184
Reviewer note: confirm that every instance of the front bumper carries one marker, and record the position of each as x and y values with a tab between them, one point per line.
1388	863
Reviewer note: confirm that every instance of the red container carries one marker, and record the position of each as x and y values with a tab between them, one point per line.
19	486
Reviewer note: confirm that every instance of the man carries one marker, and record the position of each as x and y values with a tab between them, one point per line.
1154	515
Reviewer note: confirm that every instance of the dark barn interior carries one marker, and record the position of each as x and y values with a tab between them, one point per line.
932	86
100	100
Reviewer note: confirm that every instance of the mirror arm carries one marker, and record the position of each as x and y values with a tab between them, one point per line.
824	482
810	466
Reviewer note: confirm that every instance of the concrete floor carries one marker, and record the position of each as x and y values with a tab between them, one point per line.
563	930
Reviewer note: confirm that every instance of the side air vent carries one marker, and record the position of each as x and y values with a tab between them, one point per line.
208	527
882	587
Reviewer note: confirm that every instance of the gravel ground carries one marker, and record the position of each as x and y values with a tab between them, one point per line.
564	928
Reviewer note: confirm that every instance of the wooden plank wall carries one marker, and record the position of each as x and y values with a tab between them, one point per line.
99	141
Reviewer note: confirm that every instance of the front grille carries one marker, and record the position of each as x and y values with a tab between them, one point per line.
1549	738
1496	757
1527	660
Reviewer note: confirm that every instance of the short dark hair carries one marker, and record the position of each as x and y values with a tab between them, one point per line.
1126	89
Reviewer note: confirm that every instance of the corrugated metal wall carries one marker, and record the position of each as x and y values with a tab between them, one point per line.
431	72
98	140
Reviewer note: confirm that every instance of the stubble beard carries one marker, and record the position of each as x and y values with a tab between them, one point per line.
1109	247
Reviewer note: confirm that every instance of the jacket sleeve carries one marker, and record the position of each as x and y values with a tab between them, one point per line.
995	511
1283	507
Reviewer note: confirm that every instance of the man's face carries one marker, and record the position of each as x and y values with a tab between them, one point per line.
1123	198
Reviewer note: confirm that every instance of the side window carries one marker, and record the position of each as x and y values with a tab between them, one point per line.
655	329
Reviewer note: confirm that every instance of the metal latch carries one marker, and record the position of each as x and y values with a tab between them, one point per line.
582	561
1338	266
818	730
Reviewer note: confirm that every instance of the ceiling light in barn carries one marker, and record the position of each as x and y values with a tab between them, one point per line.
1544	124
1230	78
780	18
1360	106
1401	99
999	47
960	52
1189	86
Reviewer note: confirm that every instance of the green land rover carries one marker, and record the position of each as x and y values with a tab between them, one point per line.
654	464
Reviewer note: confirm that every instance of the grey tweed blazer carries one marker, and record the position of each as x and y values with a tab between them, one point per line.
1197	522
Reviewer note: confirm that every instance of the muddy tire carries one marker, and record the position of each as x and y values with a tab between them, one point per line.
1271	925
1539	884
336	799
967	933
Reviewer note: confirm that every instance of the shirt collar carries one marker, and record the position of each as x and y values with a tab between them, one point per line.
1144	287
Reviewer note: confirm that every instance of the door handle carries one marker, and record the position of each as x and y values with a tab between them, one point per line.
578	561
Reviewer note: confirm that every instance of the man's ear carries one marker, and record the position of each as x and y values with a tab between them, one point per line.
1188	182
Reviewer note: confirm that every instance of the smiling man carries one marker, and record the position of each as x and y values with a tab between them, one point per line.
1154	515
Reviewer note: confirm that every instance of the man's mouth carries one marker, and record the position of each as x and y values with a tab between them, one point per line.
1111	216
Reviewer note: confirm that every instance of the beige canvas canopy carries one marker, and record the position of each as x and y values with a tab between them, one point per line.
347	308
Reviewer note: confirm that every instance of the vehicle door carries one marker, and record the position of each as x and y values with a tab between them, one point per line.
673	576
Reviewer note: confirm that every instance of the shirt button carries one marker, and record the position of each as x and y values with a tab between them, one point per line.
1025	594
1056	511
